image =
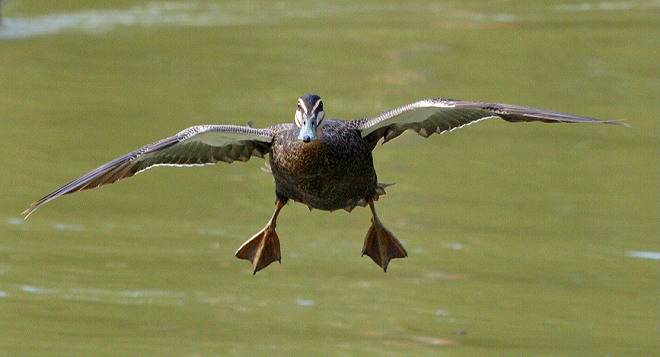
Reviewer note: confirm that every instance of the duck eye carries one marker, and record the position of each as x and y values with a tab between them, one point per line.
299	106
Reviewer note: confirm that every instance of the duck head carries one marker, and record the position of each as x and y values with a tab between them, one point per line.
309	117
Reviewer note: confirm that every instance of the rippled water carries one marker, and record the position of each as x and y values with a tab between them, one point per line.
205	14
150	14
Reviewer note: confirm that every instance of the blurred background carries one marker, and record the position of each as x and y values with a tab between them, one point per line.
523	239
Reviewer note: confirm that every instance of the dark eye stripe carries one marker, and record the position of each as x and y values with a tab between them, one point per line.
318	105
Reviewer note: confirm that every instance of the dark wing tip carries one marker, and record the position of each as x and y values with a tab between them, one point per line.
617	123
33	207
29	211
518	113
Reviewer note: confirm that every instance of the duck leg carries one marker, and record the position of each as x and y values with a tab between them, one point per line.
380	244
264	247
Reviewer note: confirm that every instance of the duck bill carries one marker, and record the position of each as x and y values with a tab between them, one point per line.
308	129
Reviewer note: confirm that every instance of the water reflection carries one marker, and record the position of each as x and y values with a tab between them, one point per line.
137	296
153	13
224	14
644	255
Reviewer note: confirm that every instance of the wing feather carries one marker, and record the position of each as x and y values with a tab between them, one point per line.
195	146
438	115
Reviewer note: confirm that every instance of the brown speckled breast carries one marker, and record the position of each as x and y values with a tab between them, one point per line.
334	172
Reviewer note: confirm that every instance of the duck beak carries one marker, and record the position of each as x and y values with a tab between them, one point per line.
308	129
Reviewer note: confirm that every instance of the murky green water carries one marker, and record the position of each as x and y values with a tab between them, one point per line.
525	239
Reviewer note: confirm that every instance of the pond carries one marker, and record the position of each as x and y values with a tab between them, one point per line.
523	239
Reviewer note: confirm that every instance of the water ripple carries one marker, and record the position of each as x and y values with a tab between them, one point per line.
153	13
643	254
131	297
608	6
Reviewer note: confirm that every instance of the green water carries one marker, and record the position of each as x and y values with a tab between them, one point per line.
520	236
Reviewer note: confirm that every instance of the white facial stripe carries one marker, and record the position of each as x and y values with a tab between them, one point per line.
321	114
302	104
316	105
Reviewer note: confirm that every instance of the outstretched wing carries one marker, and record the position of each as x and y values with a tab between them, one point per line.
197	145
438	115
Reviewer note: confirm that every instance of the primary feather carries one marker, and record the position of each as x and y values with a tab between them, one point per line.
438	115
197	145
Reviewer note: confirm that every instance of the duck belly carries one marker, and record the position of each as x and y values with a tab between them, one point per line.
334	172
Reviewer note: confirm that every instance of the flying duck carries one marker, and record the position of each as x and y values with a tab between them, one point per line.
324	163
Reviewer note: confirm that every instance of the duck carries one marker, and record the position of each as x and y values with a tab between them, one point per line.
324	163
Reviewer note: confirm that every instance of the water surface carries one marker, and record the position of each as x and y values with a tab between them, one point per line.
525	239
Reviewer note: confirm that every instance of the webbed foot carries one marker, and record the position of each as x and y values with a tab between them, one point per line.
380	244
264	247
